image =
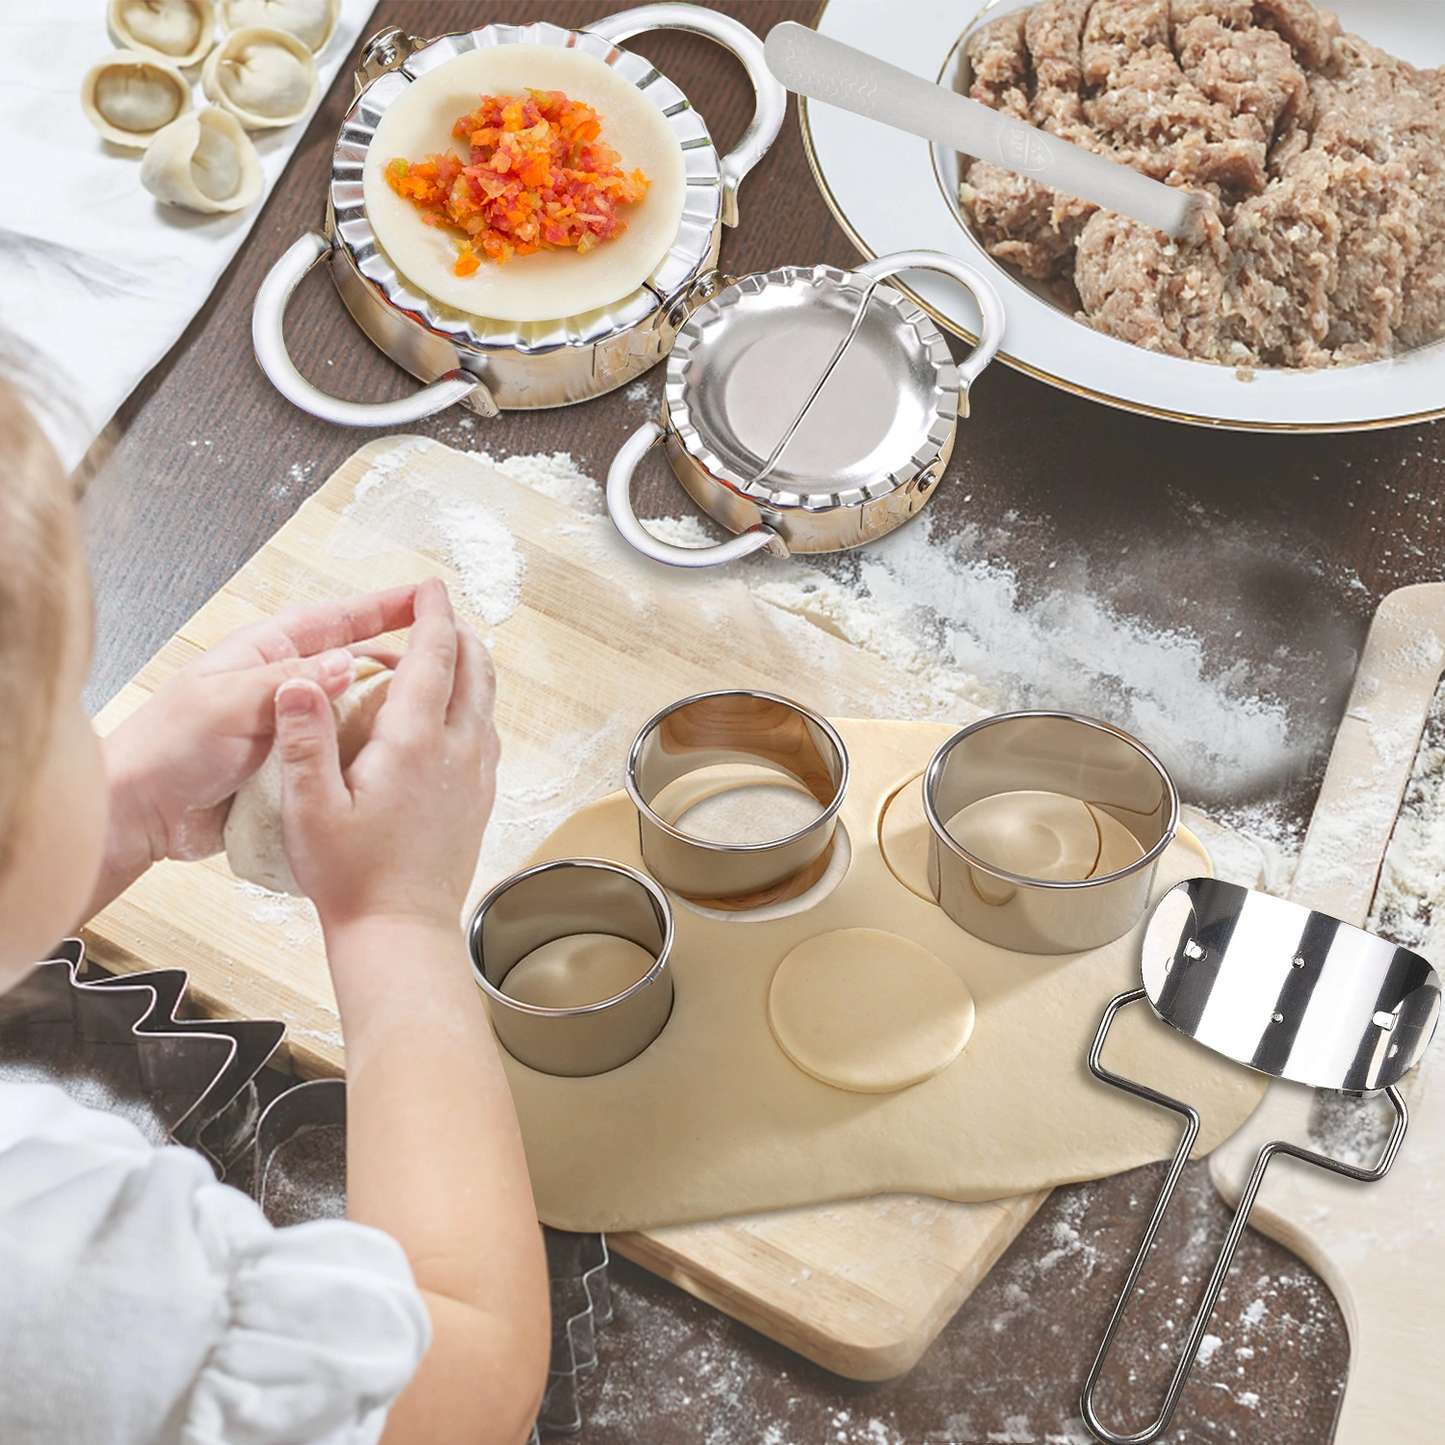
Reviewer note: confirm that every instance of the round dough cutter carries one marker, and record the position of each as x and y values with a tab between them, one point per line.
808	409
489	365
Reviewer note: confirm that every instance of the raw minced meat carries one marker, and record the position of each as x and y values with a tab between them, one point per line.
1321	158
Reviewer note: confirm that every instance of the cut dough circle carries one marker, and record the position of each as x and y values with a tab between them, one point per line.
204	161
868	1011
1044	835
550	284
577	969
903	838
255	848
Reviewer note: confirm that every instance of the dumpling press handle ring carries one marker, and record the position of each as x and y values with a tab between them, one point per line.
772	98
619	504
269	340
978	286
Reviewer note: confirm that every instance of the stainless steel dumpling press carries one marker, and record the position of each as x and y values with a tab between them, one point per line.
808	409
488	365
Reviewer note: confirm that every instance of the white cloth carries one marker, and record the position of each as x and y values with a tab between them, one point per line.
143	1303
97	279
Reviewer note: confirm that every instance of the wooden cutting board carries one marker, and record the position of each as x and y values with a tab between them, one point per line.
1380	1247
589	639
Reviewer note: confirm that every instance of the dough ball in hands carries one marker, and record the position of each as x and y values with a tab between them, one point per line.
255	848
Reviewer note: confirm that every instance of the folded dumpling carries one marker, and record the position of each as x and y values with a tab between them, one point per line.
310	21
128	97
204	161
177	31
263	77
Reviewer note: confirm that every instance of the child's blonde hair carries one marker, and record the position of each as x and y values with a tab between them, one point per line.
37	532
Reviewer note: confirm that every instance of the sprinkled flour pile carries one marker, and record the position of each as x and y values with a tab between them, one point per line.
941	608
450	521
946	616
951	616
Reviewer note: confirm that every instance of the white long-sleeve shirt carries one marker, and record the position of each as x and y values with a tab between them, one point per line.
143	1303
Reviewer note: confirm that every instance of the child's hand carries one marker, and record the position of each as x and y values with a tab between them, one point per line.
175	763
396	836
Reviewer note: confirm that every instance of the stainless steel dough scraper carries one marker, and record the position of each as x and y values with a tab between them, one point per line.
1290	992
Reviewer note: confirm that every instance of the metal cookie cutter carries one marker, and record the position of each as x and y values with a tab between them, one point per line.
1031	754
720	728
552	901
808	409
487	365
581	1305
200	1074
1284	990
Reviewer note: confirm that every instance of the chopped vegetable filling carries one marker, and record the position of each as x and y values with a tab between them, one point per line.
538	177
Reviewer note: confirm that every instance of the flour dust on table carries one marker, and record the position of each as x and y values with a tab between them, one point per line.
956	620
1409	904
449	521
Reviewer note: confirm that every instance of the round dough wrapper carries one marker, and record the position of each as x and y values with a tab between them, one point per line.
263	77
1041	835
310	21
179	32
129	97
552	284
254	847
578	969
203	161
868	1011
1044	835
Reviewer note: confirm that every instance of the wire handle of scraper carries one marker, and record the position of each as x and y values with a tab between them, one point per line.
1231	1239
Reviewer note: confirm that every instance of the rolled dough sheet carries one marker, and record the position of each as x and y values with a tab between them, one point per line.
714	1119
549	284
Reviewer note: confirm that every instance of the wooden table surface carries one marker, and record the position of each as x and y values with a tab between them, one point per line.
1274	550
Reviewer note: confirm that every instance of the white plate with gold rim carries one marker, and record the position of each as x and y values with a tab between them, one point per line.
891	192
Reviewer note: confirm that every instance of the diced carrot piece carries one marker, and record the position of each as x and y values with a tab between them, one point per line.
538	177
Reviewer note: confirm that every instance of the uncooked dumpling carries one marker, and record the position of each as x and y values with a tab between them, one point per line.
128	97
549	284
204	162
310	21
178	31
254	846
263	77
